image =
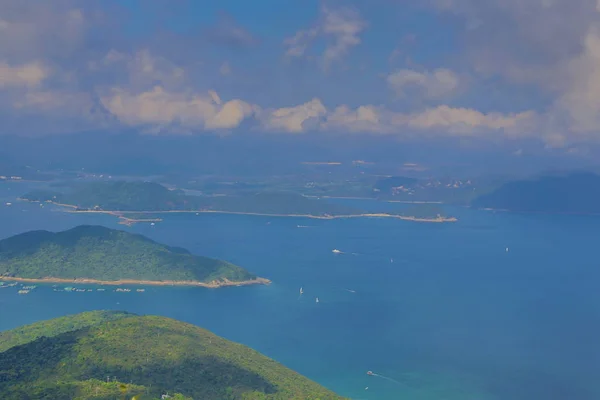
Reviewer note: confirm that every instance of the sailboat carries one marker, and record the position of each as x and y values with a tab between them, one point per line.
317	300
336	251
507	249
301	291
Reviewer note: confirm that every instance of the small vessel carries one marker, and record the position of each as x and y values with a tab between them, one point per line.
336	251
370	373
317	300
23	291
507	249
140	290
9	204
152	224
301	291
391	260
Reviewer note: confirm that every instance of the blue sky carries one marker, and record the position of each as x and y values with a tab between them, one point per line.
509	72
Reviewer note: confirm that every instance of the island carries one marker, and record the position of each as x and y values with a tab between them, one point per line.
136	202
575	193
99	255
115	355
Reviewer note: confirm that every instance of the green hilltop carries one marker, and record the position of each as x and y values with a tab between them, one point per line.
141	357
56	326
96	252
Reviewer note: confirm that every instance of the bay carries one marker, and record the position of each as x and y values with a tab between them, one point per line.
436	311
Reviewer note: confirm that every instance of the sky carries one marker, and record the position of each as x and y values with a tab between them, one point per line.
515	74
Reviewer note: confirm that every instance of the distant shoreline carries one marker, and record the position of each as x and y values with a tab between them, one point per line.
212	285
131	221
366	215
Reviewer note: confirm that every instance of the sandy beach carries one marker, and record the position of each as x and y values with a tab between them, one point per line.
213	285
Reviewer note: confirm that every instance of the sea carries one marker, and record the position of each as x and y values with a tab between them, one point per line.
497	306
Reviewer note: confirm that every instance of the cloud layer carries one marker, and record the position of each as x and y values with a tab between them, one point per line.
75	66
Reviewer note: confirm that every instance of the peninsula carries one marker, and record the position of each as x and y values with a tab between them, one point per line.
99	255
117	355
134	202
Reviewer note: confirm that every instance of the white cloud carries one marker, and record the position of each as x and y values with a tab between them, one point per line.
28	75
366	119
441	120
341	28
293	119
581	97
190	110
299	43
435	84
465	121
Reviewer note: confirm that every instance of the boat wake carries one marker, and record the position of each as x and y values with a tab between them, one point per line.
384	377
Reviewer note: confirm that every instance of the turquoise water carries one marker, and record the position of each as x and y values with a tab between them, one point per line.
454	316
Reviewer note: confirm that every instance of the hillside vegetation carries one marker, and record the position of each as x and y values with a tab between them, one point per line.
96	252
143	358
577	193
150	196
54	327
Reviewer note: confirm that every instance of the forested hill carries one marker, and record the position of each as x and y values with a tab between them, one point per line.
145	357
96	252
54	327
575	193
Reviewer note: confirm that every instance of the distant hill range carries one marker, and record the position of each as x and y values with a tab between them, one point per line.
151	196
577	193
99	253
114	355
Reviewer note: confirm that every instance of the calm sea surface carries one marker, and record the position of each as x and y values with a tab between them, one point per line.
437	311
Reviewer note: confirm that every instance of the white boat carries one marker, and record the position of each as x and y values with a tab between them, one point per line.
507	249
335	251
317	300
301	291
152	224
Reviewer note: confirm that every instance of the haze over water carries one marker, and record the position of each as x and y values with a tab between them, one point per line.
454	316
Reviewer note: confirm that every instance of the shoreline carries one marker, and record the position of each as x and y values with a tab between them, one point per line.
211	285
130	221
328	217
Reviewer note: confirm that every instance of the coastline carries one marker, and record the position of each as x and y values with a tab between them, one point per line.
130	221
212	285
327	217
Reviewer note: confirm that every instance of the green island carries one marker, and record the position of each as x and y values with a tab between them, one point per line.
96	254
112	355
142	202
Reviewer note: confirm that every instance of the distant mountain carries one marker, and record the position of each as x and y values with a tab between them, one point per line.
143	358
575	193
99	253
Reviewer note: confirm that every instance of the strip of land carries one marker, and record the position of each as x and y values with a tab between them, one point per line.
213	285
372	215
130	221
